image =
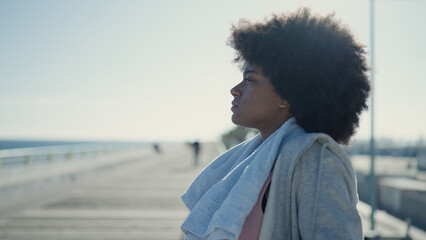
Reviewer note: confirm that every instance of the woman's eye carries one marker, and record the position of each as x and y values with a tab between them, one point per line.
247	80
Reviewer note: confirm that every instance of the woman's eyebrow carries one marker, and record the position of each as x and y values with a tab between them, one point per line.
249	71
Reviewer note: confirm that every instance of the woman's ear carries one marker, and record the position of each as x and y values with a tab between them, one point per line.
284	104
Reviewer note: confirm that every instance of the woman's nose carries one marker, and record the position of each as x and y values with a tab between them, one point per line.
235	91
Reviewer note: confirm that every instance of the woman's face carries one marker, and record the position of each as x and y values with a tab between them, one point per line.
256	104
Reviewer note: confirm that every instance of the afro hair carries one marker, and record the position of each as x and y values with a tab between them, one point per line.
314	63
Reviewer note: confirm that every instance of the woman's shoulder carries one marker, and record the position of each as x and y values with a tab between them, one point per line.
308	150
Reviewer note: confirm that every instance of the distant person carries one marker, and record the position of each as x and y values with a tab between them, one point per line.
304	87
156	147
196	146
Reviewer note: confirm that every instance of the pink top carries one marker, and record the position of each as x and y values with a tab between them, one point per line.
253	223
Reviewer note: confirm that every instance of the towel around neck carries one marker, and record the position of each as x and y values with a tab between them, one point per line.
222	196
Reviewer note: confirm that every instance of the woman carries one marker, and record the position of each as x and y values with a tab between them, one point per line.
304	87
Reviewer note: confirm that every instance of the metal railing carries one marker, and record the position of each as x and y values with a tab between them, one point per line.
61	153
405	237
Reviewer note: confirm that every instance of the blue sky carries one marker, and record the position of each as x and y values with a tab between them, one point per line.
161	70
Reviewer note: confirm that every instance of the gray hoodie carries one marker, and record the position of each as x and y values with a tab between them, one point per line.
313	192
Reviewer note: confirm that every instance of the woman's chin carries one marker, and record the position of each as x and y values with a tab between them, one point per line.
238	121
235	119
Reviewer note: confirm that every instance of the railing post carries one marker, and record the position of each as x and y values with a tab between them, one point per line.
407	232
28	160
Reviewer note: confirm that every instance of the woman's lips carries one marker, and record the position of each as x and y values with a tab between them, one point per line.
234	106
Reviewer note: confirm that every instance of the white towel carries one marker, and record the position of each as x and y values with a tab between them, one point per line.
223	195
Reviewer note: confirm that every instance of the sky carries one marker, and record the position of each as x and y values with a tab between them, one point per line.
161	70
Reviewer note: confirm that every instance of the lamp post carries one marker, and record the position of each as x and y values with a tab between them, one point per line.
372	147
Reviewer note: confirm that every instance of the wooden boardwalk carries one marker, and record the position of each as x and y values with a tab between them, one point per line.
140	200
